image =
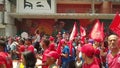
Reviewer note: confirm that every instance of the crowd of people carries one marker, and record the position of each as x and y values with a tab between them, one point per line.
55	52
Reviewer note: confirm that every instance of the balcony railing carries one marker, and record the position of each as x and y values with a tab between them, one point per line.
91	0
88	10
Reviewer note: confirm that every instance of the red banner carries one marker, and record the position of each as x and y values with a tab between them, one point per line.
115	25
74	32
82	34
97	32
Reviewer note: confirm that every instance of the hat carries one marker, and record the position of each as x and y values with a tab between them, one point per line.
88	50
62	41
51	38
53	54
52	46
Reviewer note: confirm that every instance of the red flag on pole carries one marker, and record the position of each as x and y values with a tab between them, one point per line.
115	25
59	48
102	32
72	36
82	34
74	32
82	31
96	32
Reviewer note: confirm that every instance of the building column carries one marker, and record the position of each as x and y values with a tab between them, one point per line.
93	6
106	7
10	28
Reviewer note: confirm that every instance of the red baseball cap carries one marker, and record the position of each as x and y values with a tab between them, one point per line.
51	38
62	41
53	54
52	46
88	50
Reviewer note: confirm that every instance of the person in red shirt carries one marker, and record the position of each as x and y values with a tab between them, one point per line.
113	57
5	57
88	55
103	53
51	39
52	57
21	48
2	62
45	45
30	47
52	47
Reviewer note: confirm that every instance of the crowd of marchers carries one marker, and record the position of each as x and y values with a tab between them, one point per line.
58	52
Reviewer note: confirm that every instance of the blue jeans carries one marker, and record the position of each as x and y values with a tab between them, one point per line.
65	65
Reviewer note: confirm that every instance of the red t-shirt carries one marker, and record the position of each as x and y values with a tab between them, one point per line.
44	57
6	59
113	61
22	48
2	60
30	48
94	64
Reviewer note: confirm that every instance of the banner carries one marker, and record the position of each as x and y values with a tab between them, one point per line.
74	32
72	36
82	34
115	25
97	32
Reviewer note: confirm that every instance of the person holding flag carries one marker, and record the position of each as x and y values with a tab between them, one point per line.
65	54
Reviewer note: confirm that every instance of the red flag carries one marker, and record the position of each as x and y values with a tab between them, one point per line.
70	47
72	36
102	32
96	32
82	31
74	32
59	48
115	25
82	34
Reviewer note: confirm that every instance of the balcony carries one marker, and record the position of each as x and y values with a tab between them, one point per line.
85	1
74	9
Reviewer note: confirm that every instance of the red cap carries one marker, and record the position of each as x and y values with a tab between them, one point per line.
52	47
88	50
62	41
53	54
51	38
